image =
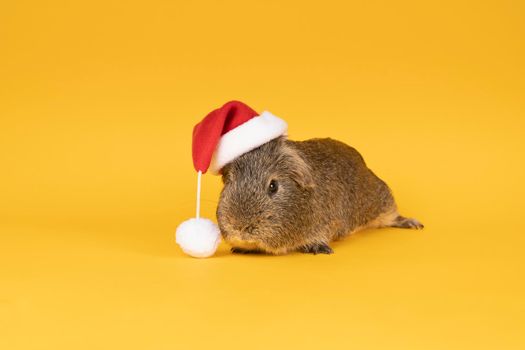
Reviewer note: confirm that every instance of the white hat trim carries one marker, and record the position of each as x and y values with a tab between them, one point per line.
246	137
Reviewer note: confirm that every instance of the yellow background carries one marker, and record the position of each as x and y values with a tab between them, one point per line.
97	103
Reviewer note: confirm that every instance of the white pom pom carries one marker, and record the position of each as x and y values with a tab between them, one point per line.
198	237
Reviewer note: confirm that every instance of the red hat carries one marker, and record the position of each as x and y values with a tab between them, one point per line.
222	136
230	131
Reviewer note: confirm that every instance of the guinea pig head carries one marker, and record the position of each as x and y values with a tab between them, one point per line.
265	200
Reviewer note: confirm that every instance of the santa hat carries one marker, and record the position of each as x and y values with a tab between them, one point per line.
222	136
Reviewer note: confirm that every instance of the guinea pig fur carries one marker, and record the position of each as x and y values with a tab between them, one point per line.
288	196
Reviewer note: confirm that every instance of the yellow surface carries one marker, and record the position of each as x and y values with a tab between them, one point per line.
97	102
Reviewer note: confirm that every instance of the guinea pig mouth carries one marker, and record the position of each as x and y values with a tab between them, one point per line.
240	243
247	231
237	236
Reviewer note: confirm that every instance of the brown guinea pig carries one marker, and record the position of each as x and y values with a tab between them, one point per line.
287	196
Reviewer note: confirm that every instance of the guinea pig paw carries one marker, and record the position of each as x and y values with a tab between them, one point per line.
237	250
315	249
403	222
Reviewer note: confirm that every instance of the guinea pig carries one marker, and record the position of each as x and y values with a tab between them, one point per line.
299	196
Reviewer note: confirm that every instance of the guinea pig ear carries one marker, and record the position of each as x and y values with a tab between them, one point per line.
300	172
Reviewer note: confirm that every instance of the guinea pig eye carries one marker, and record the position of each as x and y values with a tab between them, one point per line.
273	187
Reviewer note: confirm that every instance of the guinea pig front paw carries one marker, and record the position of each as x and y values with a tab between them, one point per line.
237	250
403	222
315	249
